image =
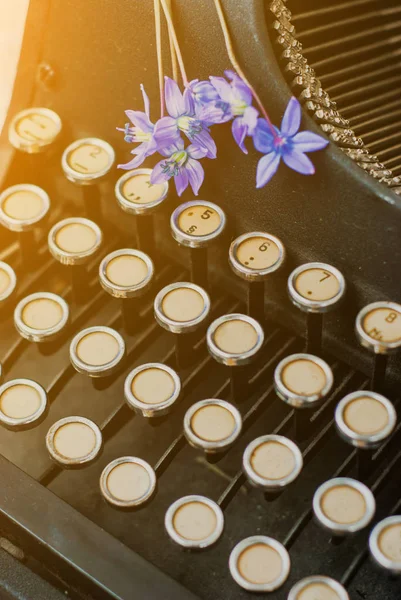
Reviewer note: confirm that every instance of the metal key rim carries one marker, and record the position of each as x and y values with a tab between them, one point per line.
297	400
195	241
365	339
122	291
20	225
132	207
230	358
104	489
14	422
253	274
87	178
361	440
37	146
194	544
271	484
377	554
13	281
315	306
143	408
344	528
252	541
74	258
180	326
97	370
65	460
331	583
40	335
212	446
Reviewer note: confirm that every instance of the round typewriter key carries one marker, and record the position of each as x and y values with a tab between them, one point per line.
344	505
97	351
194	522
253	257
197	224
74	441
152	389
271	462
41	317
234	340
303	381
365	419
318	587
22	208
182	308
212	425
74	242
137	196
127	274
259	564
34	130
316	288
385	544
127	482
86	162
378	328
8	281
22	403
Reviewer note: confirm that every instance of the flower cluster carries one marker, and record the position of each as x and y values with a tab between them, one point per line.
192	113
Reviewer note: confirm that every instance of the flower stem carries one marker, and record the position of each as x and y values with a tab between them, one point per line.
175	41
236	65
174	64
159	54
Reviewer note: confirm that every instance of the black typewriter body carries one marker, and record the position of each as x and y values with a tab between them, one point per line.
85	61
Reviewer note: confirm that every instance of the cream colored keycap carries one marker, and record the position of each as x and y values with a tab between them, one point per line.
389	542
74	440
195	521
128	481
199	220
20	401
126	271
235	337
304	377
76	238
88	158
183	305
273	460
34	127
383	324
42	314
97	348
317	591
23	205
5	281
153	386
260	564
343	504
258	253
317	284
366	416
213	423
138	190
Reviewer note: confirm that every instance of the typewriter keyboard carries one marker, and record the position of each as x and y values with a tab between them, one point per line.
230	453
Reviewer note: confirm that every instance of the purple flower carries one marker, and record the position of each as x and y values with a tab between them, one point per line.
238	97
185	116
287	144
203	91
142	131
182	164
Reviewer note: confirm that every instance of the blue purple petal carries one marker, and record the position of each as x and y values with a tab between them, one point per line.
291	119
267	167
239	130
146	102
181	181
306	141
174	99
195	173
140	120
263	138
166	131
299	162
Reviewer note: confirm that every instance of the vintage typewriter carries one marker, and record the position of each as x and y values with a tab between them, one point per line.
199	400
